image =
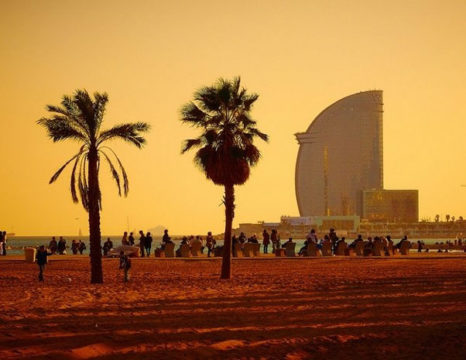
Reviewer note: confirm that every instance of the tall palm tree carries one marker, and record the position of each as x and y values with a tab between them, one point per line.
80	118
226	146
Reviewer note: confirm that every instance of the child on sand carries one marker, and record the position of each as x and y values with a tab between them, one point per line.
125	264
41	259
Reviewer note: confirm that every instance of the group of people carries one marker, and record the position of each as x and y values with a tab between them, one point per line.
145	242
2	243
60	246
267	239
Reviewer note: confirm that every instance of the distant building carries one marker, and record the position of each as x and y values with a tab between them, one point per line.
391	206
340	155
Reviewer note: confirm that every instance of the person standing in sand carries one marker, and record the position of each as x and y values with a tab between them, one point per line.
41	260
266	240
3	236
124	240
148	244
142	242
125	265
131	239
210	243
1	242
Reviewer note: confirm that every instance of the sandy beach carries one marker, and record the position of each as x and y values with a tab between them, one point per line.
333	308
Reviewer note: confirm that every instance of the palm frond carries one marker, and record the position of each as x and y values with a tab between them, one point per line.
114	172
82	185
59	171
100	103
189	143
122	169
192	114
60	128
85	106
127	132
74	195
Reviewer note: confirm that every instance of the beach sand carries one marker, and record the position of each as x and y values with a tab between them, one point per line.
332	308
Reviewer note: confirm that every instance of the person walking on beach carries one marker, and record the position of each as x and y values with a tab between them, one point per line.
148	244
41	260
125	265
142	242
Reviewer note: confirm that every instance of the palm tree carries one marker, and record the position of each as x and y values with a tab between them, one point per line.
226	146
80	118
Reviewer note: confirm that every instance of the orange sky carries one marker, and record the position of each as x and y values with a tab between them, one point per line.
300	56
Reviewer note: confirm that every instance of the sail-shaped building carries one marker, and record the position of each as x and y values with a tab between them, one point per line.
341	155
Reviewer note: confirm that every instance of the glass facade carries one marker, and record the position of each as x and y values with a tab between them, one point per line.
340	155
391	206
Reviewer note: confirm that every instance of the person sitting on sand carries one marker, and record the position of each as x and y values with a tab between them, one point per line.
290	241
108	245
81	247
41	260
125	265
165	239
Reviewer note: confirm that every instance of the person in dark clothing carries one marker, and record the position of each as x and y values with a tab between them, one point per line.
81	247
61	246
210	243
131	239
74	247
265	240
53	245
125	265
333	238
108	245
148	243
142	242
41	260
165	239
3	243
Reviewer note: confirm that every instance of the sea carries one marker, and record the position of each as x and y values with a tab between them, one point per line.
16	244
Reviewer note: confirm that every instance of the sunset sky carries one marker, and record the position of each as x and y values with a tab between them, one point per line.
300	56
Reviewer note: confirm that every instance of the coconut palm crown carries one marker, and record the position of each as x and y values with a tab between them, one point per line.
226	149
80	118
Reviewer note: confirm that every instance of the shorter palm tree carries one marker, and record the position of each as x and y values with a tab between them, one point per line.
80	118
226	145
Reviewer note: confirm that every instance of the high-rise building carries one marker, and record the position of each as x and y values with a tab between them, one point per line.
340	155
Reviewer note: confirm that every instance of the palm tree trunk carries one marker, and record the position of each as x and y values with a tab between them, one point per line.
94	220
229	215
